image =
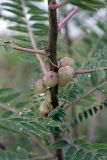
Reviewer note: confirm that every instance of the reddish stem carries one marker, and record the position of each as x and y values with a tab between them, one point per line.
89	71
37	51
66	19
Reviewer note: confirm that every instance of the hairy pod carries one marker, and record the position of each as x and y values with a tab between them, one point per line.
45	107
67	61
65	75
50	79
40	87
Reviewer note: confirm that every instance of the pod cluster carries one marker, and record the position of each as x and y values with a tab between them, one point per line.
66	73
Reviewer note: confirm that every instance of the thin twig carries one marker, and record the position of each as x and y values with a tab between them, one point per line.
55	6
36	51
83	71
86	94
8	108
90	92
66	19
53	63
43	147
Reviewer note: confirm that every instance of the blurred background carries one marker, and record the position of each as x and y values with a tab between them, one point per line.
84	38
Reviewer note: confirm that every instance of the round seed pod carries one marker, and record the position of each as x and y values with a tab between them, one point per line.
50	79
67	61
66	75
40	87
45	107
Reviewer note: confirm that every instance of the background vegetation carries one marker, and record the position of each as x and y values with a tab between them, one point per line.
24	133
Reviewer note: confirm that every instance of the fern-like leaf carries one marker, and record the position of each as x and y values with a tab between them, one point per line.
88	113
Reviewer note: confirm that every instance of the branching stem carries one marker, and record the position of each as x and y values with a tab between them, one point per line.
55	6
52	48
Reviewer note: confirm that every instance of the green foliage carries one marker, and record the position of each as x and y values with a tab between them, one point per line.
20	17
29	126
89	113
98	60
86	151
19	109
80	154
59	144
92	5
70	92
49	122
7	46
26	21
26	122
